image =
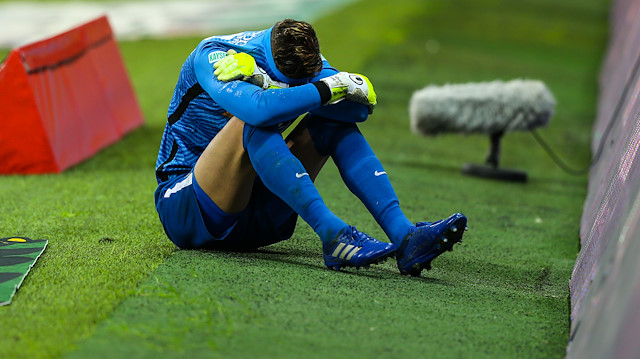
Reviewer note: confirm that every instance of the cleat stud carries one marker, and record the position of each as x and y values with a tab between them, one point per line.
466	229
454	229
445	240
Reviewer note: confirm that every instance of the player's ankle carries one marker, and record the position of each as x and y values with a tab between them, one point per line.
328	235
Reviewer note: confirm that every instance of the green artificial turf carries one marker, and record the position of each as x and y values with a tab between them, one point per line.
111	285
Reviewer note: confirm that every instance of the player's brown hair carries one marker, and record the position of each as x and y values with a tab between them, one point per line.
295	49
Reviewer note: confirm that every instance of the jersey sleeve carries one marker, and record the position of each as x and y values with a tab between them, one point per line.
251	103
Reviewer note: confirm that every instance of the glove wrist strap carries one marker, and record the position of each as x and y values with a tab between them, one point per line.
324	91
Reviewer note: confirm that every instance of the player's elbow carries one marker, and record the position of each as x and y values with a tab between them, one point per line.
261	118
264	111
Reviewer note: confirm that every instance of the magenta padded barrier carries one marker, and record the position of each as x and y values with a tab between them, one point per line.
605	283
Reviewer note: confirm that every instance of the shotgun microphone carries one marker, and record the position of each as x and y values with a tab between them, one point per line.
490	108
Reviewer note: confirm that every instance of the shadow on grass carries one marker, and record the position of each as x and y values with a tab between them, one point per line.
305	259
431	166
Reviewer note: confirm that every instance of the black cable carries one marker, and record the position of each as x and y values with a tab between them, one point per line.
557	160
563	165
605	134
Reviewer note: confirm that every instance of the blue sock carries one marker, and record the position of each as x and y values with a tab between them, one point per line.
362	172
285	176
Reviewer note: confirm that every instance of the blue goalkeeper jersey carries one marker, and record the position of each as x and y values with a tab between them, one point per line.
202	105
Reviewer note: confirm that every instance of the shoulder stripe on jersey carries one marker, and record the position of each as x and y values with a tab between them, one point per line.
191	94
159	172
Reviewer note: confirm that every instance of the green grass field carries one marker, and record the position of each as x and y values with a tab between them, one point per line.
110	284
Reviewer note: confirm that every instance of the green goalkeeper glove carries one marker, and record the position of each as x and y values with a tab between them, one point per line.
353	87
242	66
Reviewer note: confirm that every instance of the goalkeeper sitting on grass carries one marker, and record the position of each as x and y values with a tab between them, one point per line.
227	180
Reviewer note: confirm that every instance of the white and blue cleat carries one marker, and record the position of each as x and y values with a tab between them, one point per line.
355	249
428	240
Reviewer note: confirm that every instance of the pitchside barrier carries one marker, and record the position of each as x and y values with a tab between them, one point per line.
63	99
605	284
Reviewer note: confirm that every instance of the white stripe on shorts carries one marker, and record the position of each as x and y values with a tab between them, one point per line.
180	185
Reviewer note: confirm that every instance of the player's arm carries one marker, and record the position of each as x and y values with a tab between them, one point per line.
332	86
253	104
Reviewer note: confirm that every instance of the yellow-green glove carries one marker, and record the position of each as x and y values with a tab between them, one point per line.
234	66
242	66
353	87
338	84
361	90
262	79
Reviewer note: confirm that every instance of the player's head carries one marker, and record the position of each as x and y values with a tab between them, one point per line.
295	49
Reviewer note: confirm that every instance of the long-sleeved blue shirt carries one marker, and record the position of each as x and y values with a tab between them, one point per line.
202	105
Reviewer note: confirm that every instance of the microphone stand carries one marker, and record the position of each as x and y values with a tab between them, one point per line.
491	168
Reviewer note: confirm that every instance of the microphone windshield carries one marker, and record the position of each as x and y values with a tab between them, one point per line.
486	107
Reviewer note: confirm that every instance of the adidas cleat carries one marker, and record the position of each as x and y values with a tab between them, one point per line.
355	249
428	240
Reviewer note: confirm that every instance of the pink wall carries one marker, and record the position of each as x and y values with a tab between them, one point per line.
605	284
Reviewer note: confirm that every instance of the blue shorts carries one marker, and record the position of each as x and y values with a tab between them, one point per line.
266	220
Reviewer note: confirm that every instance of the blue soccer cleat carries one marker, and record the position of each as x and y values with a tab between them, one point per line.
355	249
426	241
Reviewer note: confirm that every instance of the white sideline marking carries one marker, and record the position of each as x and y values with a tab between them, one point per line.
26	21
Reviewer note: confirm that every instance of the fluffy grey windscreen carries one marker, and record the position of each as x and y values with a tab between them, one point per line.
486	107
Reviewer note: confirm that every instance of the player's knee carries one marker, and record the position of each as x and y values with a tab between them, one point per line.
326	133
256	135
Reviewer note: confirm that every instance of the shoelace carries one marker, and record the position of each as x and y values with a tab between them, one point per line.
418	225
358	239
